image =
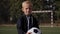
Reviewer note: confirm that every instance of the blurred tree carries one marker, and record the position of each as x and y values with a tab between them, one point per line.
36	5
15	9
11	9
4	10
48	5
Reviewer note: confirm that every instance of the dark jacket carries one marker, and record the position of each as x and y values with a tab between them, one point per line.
22	24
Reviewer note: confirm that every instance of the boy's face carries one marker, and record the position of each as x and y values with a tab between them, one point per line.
27	9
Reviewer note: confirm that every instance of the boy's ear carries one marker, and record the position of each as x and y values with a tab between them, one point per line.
22	10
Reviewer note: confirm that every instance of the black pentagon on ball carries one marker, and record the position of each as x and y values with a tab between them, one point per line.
35	30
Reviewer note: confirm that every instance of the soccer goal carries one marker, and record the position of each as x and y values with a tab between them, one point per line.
46	11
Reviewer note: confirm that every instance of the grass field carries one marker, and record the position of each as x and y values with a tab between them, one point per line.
45	30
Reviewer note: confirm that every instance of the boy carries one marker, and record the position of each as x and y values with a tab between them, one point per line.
26	21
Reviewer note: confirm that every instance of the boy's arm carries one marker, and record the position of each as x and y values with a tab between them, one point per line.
19	27
36	23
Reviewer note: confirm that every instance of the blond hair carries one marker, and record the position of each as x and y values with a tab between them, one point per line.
27	2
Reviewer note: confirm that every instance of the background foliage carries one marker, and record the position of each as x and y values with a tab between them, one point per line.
10	10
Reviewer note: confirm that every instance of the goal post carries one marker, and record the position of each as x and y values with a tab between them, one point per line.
46	11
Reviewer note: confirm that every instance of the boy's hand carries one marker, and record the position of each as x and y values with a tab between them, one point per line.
28	33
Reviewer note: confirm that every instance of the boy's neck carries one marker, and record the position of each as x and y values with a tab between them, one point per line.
28	15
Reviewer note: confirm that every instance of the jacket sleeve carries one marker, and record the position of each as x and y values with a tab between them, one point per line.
36	23
19	27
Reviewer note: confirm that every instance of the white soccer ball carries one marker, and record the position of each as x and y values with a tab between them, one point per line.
34	30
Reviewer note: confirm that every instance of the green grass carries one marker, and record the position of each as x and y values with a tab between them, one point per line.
45	30
50	30
8	30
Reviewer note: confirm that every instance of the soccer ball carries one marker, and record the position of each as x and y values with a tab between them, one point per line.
34	30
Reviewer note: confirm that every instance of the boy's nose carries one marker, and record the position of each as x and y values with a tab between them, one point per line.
28	9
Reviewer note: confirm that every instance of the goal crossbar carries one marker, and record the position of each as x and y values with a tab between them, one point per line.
41	11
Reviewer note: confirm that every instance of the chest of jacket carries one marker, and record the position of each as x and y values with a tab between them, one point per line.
24	22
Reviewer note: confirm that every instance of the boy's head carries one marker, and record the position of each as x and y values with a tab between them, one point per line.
27	7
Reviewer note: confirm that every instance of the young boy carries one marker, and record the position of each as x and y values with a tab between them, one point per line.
26	21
